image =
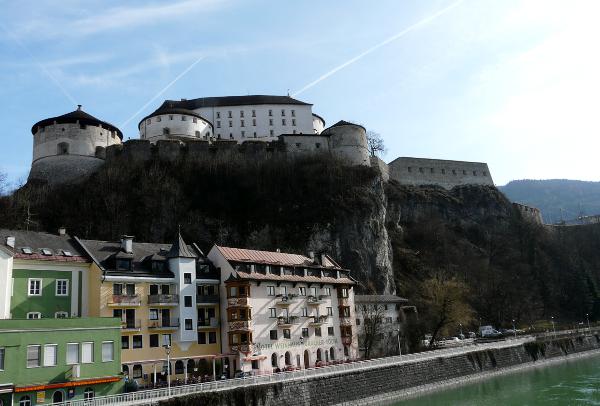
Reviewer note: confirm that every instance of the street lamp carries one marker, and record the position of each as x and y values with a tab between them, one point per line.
167	347
514	328
587	316
553	329
461	333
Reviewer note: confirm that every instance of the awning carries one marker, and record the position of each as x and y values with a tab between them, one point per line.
255	358
6	388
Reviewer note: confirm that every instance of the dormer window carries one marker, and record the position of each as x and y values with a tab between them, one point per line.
46	251
158	266
124	264
67	253
27	250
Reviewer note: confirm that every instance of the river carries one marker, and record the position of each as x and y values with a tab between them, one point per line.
574	382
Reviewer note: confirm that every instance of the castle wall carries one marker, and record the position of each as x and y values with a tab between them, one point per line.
420	171
79	141
349	143
64	168
299	144
381	166
177	126
532	214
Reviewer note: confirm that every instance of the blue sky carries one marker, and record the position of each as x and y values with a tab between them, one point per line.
511	83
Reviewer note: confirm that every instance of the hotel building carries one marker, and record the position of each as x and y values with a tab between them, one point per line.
284	311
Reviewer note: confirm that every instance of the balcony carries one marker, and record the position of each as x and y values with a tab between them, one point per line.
287	321
164	324
125	301
207	299
208	323
347	340
240	325
237	301
318	320
345	321
286	300
131	325
343	301
245	348
163	300
315	300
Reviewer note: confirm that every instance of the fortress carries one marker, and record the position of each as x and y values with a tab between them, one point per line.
72	146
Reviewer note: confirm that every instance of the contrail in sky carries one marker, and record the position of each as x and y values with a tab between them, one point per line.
381	44
157	95
39	64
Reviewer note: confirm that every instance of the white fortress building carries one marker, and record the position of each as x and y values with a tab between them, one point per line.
284	311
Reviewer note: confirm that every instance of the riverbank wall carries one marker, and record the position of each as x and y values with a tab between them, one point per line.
354	385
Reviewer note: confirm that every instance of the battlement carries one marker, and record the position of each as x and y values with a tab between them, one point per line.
529	213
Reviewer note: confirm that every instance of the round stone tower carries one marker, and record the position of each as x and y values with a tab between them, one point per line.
70	147
348	141
168	123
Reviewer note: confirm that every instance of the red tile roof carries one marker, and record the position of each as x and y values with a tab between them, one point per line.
58	258
270	258
343	280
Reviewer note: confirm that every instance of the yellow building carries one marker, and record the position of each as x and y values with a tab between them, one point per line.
167	297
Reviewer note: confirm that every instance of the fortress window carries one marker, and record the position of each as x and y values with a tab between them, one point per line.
241	123
484	173
318	145
293	113
421	170
230	123
253	113
432	170
63	148
243	134
148	121
218	114
218	124
219	136
198	134
270	113
293	121
443	171
229	114
82	126
453	171
270	121
166	131
464	172
194	120
241	113
254	134
170	117
282	113
208	133
254	122
182	118
230	136
271	132
158	119
298	145
283	121
63	129
409	169
474	173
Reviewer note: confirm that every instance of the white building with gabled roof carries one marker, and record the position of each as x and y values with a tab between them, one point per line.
284	311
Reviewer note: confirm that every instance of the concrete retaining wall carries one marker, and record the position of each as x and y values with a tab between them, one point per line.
352	386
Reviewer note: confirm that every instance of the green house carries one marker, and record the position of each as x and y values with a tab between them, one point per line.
58	360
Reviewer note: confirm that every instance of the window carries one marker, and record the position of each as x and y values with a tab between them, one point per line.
182	118
46	251
201	337
62	287
389	320
194	120
330	331
298	145
154	340
330	311
25	401
219	124
271	132
229	114
188	324
2	355
63	148
218	114
61	315
125	342
166	339
197	134
241	123
108	351
293	113
212	337
187	278
271	290
273	312
187	301
230	123
293	121
50	351
286	333
72	353
137	341
158	119
282	113
241	113
273	334
302	291
34	315
344	292
137	371
243	133
318	145
153	314
305	332
305	312
270	113
254	122
318	331
166	131
35	287
270	121
327	291
87	353
88	394
283	121
358	322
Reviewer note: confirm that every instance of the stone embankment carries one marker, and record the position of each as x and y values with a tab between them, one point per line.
387	378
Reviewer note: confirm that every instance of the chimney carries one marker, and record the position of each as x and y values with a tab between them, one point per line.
10	241
62	231
127	244
278	250
311	255
323	259
79	107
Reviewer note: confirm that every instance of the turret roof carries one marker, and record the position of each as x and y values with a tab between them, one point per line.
179	249
79	116
170	107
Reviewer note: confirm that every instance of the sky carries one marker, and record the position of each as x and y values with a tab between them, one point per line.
511	83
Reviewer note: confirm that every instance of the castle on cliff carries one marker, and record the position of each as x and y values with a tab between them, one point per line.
74	145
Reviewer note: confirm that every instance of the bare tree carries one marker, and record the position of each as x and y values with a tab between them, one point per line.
375	143
372	331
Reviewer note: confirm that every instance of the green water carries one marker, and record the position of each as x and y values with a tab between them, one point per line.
575	382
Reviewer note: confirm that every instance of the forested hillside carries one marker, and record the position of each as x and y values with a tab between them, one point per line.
393	237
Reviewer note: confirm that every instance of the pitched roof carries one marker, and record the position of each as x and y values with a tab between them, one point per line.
270	258
255	276
342	123
55	246
379	299
180	249
257	99
171	108
73	117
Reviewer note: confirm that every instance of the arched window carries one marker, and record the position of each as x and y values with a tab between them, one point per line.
191	365
63	148
197	134
208	133
166	131
137	371
332	353
179	367
88	394
274	362
288	358
25	401
125	369
319	354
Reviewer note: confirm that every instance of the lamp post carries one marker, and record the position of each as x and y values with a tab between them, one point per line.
461	333
587	316
514	329
553	329
167	347
399	347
